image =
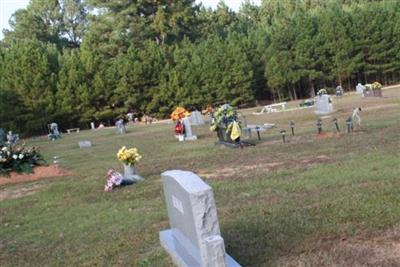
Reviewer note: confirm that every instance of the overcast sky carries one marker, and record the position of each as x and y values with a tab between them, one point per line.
8	7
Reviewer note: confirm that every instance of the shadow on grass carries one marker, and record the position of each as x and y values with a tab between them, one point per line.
259	237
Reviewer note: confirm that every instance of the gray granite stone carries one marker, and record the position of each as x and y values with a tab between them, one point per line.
196	118
194	238
188	130
323	105
84	144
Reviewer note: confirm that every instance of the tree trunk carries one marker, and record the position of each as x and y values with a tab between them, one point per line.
348	84
312	89
294	93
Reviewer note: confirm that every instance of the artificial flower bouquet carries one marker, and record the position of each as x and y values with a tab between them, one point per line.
226	119
128	156
376	86
179	128
113	179
322	92
179	113
19	158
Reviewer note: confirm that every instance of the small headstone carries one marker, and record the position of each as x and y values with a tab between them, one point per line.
120	126
188	130
54	128
323	105
92	126
194	239
360	88
12	138
196	118
129	116
84	144
339	90
54	132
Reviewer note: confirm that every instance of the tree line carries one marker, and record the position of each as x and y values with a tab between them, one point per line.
74	61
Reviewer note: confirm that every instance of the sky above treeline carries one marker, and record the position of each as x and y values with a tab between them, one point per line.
8	7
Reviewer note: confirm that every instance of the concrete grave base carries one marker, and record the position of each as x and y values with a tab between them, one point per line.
183	258
191	138
137	178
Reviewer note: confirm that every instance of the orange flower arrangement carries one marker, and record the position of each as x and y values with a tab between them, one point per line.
179	113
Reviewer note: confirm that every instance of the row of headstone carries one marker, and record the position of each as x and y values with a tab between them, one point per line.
367	90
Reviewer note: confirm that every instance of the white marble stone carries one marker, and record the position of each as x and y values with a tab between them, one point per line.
360	88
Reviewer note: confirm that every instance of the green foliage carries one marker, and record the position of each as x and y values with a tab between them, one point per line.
29	72
83	61
19	158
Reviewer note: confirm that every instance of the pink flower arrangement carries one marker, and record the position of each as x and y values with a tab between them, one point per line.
113	179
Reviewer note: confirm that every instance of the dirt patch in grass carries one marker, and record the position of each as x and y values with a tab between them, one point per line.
381	106
326	135
360	250
9	193
40	172
246	169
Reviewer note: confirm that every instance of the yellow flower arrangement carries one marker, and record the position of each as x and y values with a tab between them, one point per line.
377	85
179	113
128	156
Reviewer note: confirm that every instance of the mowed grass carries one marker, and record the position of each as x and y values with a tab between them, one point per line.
331	201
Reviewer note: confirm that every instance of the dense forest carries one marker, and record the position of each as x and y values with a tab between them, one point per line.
74	62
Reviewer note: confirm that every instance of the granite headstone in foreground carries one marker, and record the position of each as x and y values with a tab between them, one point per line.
194	239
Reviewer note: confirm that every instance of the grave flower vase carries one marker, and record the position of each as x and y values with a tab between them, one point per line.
129	175
129	170
223	135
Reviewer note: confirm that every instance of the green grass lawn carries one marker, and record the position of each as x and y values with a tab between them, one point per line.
309	202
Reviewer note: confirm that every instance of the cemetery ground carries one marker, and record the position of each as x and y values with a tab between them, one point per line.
331	201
